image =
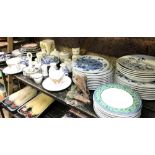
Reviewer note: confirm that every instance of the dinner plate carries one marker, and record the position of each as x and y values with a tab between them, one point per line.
138	62
146	90
91	64
50	86
125	79
103	111
135	73
104	115
117	99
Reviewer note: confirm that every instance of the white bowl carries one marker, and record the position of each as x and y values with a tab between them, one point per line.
13	61
37	77
29	71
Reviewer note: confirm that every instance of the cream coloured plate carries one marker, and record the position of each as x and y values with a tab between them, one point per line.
117	98
50	86
8	71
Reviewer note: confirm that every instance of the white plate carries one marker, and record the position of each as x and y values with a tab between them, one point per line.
146	90
8	71
139	63
103	111
50	86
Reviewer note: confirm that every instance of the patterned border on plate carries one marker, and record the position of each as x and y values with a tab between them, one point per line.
137	103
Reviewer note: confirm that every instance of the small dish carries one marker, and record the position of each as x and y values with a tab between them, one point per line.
37	77
29	71
49	59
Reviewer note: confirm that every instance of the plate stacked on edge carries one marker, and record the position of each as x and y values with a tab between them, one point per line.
115	100
97	70
138	72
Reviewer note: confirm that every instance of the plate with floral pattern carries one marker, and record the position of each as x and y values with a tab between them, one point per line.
91	64
139	63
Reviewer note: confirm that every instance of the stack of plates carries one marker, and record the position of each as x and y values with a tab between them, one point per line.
138	72
137	67
115	100
97	70
146	90
31	47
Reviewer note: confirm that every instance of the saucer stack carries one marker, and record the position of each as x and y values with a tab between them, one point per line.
115	100
30	47
97	70
138	72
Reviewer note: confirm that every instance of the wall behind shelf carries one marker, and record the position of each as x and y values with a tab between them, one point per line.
112	46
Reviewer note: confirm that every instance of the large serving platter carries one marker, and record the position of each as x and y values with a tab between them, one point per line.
118	99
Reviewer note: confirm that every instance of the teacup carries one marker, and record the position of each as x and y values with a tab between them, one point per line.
13	63
56	76
75	51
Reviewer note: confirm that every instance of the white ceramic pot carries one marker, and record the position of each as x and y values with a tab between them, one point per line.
64	55
13	63
38	77
75	51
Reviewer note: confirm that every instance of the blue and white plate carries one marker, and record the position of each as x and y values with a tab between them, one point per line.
97	70
50	59
91	64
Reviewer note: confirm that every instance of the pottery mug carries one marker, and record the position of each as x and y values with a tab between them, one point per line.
75	51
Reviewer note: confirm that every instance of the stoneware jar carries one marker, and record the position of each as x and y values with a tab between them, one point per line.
64	55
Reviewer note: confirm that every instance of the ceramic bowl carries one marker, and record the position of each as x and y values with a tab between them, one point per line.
13	63
50	59
28	72
37	77
56	76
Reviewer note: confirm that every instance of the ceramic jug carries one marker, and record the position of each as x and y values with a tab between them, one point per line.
44	69
64	69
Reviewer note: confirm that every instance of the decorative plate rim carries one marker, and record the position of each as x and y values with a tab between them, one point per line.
137	103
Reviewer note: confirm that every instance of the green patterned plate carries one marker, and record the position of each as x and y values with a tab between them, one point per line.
117	99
